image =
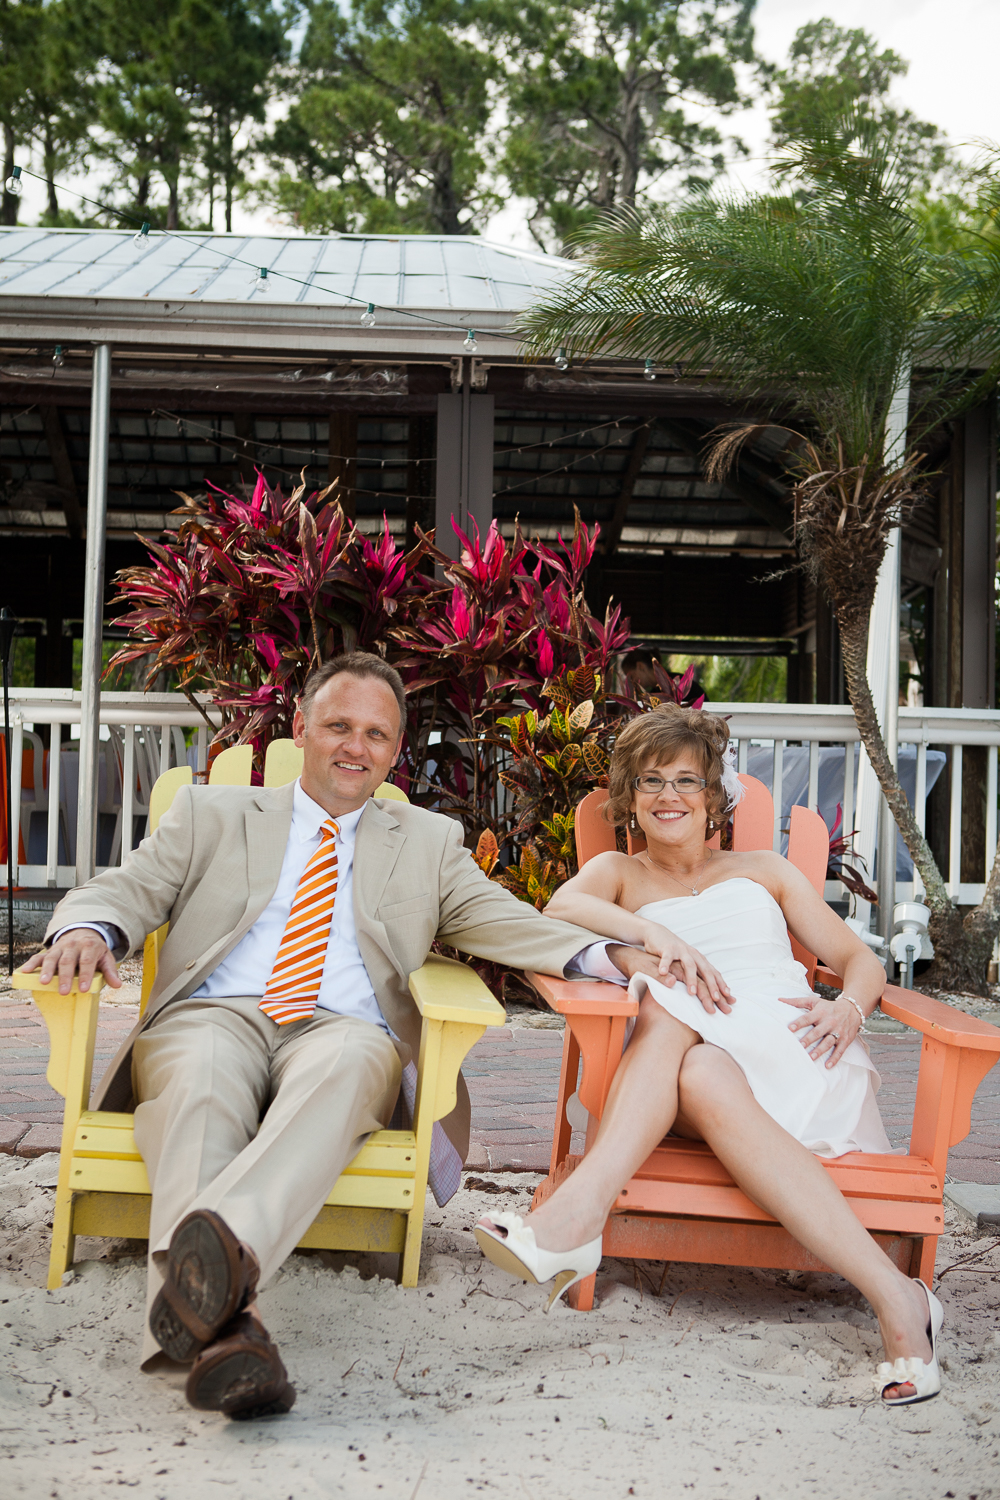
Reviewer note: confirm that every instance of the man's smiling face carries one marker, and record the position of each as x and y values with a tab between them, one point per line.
350	738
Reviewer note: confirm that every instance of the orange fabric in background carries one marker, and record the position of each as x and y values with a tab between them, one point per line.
27	785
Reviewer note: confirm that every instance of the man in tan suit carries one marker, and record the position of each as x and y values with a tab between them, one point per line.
245	1124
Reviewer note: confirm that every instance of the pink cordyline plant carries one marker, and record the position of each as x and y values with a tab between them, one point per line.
247	595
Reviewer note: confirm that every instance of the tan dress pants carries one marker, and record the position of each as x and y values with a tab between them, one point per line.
254	1120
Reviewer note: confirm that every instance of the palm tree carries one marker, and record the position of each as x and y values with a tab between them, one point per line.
811	309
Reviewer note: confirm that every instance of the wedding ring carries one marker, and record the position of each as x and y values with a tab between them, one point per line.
835	1035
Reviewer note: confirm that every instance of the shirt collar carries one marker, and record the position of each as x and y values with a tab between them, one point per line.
308	817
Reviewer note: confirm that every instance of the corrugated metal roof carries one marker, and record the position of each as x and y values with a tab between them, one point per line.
430	272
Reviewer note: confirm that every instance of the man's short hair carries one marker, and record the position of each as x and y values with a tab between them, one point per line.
639	657
356	664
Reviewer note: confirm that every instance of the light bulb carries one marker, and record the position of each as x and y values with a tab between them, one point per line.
649	370
260	281
59	358
469	342
561	362
14	185
141	236
368	316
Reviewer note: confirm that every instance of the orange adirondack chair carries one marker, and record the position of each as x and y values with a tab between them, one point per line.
682	1205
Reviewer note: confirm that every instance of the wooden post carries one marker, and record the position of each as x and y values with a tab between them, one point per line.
62	469
343	460
246	453
633	468
464	465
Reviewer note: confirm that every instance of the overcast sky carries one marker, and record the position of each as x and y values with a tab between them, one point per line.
951	46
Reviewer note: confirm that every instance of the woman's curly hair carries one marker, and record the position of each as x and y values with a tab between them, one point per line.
663	735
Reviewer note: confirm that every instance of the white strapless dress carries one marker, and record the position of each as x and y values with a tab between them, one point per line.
739	926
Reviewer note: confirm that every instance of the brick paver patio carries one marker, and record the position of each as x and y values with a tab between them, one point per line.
513	1078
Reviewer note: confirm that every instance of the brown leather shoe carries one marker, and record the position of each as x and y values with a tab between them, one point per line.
241	1374
210	1276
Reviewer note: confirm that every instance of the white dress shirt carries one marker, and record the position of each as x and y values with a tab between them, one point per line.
345	986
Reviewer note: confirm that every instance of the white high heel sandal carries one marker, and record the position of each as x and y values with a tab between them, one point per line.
923	1376
517	1253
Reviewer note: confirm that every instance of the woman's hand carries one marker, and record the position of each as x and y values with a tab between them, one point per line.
828	1026
678	960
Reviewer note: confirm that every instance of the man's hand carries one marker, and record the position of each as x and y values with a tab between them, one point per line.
634	961
80	951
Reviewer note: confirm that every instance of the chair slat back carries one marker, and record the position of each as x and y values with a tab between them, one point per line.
809	851
282	762
753	818
164	791
232	767
593	833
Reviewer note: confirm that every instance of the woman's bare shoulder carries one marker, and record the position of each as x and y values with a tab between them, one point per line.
610	863
762	865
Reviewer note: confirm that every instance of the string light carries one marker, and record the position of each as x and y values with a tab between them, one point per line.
59	358
141	236
126	218
312	453
561	362
469	342
649	370
260	281
367	319
14	185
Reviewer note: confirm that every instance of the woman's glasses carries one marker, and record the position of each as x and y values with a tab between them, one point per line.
683	784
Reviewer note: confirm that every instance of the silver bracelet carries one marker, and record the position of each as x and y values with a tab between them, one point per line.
851	1001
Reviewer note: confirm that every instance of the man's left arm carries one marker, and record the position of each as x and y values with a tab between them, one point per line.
480	917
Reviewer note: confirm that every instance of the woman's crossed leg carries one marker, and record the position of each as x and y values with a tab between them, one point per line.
786	1179
669	1079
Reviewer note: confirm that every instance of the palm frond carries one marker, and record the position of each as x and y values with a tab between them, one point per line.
817	299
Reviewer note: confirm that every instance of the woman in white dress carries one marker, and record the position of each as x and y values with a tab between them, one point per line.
729	1046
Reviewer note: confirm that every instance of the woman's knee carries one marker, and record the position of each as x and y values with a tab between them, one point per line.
707	1079
655	1022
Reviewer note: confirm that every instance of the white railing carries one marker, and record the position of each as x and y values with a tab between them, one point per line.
142	735
799	750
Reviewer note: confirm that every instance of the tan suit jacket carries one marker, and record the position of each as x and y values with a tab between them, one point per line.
212	867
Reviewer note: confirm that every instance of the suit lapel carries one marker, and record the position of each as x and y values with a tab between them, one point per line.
376	850
266	826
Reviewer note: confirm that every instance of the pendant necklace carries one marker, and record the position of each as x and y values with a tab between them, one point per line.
692	888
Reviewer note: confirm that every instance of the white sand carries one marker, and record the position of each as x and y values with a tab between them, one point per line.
731	1383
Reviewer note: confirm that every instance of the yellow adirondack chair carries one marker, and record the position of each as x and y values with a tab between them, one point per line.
378	1201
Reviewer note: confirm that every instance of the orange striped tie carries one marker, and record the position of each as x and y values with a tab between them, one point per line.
293	988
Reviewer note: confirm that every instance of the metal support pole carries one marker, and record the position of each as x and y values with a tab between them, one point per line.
93	614
7	625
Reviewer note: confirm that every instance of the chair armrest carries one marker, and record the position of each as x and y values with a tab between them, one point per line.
583	997
456	1008
21	981
932	1017
956	1053
597	1015
447	991
72	1026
